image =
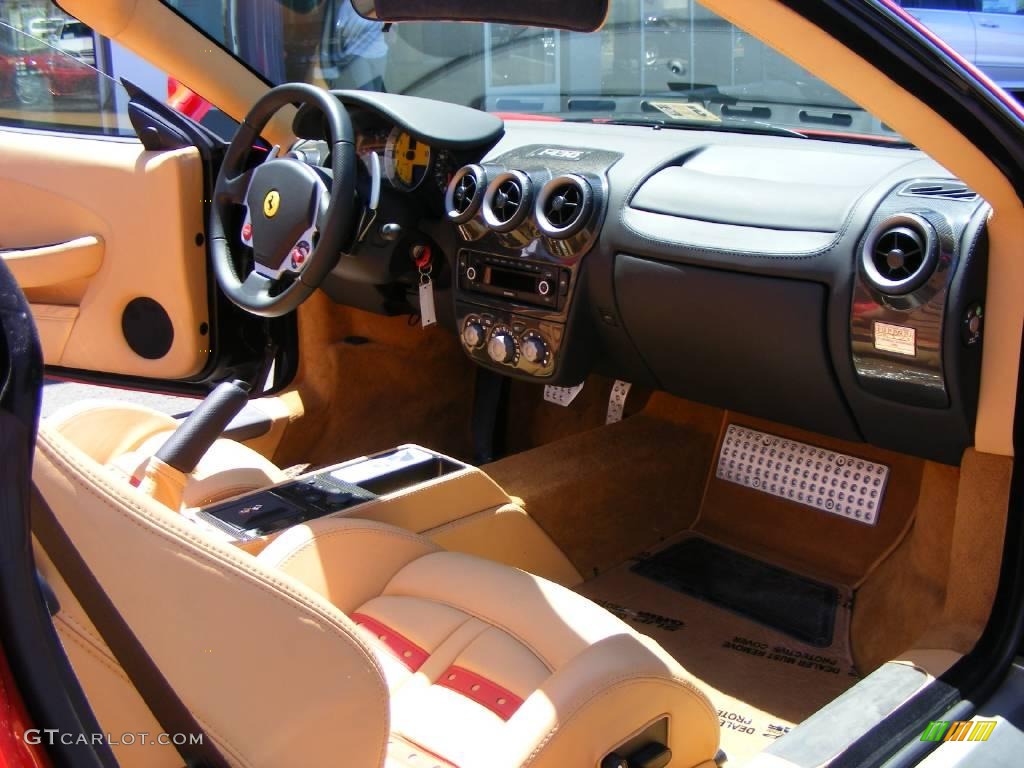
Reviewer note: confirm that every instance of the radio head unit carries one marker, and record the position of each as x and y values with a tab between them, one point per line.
525	221
523	282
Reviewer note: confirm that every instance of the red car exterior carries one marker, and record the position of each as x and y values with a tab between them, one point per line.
31	77
65	75
8	70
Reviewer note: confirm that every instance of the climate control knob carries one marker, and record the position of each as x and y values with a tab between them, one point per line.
534	350
502	347
473	335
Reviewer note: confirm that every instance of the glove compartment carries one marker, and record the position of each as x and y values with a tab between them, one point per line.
748	343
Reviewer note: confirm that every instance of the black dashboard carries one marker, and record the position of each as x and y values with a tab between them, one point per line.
833	286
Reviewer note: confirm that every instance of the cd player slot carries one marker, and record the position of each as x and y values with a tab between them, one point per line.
524	282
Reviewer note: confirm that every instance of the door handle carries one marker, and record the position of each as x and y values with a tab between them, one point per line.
988	25
58	263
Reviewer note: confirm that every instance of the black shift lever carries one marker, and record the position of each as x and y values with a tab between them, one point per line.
194	436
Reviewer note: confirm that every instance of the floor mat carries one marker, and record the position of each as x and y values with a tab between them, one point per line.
760	680
800	607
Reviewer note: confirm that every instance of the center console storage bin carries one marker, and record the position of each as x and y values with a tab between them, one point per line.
396	470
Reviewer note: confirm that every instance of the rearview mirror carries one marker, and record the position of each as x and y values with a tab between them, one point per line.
575	15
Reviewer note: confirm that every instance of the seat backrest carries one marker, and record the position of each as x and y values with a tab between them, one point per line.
274	673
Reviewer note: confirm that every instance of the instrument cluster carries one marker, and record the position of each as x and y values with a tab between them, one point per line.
406	163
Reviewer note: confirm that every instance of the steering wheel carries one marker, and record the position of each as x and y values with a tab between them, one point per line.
297	217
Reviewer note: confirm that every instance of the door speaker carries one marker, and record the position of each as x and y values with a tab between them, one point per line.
147	328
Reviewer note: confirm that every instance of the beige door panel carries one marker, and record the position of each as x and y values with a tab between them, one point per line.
94	224
72	260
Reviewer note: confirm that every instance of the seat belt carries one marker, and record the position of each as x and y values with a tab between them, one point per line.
168	709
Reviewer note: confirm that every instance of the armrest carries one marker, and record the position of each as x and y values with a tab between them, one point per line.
58	263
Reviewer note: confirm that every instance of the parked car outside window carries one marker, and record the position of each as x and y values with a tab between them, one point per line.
988	33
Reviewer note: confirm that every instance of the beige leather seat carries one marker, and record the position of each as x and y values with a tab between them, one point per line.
123	437
353	643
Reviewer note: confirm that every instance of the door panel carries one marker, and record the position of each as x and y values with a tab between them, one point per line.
73	260
90	227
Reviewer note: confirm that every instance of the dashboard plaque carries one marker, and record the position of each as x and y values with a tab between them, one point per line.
899	339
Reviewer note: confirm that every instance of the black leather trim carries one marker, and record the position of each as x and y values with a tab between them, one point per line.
796	188
837	725
451	126
717	237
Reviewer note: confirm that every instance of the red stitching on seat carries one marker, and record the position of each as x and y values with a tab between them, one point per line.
486	693
403	649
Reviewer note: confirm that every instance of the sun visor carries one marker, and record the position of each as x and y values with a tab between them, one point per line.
576	15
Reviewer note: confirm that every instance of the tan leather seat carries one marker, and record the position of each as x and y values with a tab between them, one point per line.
123	437
348	642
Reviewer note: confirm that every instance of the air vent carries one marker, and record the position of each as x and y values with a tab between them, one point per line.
507	201
465	193
900	254
942	189
564	206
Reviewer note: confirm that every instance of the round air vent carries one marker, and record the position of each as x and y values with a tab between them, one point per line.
465	193
900	254
564	206
507	201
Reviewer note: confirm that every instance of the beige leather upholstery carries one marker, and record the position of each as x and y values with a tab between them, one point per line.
465	659
465	511
124	436
488	665
507	534
274	673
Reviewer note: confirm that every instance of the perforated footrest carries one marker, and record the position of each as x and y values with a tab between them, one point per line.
815	477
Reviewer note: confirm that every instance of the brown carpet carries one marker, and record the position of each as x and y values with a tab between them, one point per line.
905	593
533	422
979	526
606	494
369	383
761	681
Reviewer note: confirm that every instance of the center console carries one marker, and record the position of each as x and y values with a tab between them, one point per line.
338	489
525	220
455	505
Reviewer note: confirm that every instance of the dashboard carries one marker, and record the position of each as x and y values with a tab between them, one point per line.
834	286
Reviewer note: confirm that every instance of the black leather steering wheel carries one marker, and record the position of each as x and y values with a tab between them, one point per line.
297	217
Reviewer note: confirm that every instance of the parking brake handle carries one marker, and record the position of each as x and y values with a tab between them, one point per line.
192	439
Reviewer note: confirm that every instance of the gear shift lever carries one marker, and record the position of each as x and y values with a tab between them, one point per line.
166	473
192	439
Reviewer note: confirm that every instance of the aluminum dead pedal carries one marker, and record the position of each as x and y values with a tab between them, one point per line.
617	401
562	396
816	477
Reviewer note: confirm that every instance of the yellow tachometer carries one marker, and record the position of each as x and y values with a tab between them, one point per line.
406	160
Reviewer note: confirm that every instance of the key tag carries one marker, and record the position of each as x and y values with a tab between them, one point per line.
428	316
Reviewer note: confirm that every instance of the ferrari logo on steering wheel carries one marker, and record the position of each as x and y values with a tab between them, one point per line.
271	203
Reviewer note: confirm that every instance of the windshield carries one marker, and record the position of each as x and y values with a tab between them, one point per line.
671	62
